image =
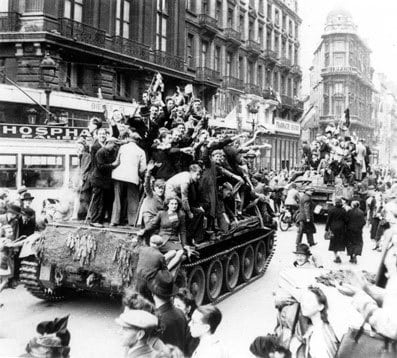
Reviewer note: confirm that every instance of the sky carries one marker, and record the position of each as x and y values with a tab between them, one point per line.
377	25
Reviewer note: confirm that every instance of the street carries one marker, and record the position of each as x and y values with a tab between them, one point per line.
247	314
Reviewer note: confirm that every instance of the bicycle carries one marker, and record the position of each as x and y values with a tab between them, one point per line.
286	218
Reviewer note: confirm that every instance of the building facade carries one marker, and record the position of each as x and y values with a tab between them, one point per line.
341	77
239	55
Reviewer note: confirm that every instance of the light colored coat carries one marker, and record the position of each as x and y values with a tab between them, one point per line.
132	164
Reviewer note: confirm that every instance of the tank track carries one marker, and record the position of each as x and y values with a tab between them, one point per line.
241	285
29	277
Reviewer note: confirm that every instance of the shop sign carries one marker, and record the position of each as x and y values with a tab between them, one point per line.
287	127
24	131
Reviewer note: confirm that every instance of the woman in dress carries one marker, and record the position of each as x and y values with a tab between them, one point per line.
336	224
354	231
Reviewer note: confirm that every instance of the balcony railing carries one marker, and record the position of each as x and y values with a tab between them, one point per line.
254	46
269	94
170	61
233	82
296	70
270	55
78	31
287	101
285	62
205	74
253	89
131	48
208	23
299	105
10	21
232	35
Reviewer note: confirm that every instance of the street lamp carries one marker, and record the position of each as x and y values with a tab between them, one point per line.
47	72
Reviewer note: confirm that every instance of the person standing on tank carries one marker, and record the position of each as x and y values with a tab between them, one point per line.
305	218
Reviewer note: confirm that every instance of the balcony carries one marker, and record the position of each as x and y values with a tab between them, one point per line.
253	47
233	37
209	25
339	70
285	63
80	32
270	56
299	106
10	21
208	76
251	88
287	101
269	94
166	60
233	82
296	70
130	48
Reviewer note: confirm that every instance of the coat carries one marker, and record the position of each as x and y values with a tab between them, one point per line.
306	209
336	222
354	231
102	174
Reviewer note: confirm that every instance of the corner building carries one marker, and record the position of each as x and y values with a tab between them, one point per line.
341	76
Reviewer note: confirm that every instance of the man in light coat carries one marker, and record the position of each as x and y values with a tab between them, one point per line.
127	177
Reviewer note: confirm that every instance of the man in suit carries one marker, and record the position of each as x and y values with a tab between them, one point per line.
305	218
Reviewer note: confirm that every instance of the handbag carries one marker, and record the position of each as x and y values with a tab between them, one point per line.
328	235
359	343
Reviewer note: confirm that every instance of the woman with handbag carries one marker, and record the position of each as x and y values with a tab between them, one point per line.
354	231
335	229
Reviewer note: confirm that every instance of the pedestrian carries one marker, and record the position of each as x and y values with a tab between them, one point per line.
11	216
136	328
304	258
172	321
268	347
6	260
102	193
319	340
205	320
305	218
292	200
336	225
27	222
354	231
127	178
26	200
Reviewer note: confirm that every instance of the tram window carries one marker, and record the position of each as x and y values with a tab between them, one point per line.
43	171
8	171
74	173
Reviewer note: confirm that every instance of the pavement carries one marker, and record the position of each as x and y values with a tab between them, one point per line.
246	314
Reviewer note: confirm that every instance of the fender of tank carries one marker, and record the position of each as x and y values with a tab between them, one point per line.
69	257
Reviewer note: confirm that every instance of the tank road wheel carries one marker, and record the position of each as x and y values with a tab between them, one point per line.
232	270
29	276
270	243
196	284
214	280
260	257
247	263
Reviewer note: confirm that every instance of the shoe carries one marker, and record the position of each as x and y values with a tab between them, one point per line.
338	260
313	244
354	260
113	224
98	225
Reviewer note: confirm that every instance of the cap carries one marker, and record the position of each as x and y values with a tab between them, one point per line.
137	318
28	212
22	190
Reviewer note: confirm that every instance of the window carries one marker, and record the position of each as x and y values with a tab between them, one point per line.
260	35
161	25
191	5
275	81
9	66
338	88
277	17
74	75
339	59
283	48
43	171
218	12
260	76
276	44
284	19
73	9
296	31
241	26
269	11
290	27
289	55
123	18
204	53
240	68
269	40
190	50
261	6
251	30
4	6
296	59
205	8
217	59
283	85
229	63
122	85
74	165
251	73
8	170
289	89
230	17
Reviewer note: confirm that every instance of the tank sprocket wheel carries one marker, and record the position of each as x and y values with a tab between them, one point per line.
247	263
214	280
260	257
29	276
232	271
270	244
196	284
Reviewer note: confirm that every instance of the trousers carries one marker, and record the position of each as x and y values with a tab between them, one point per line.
301	231
126	202
101	204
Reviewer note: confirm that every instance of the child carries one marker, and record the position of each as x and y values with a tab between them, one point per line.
6	262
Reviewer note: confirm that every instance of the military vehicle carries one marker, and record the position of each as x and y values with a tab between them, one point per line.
69	257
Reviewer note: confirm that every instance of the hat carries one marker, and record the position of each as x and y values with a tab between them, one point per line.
163	284
137	318
218	152
302	249
28	212
22	190
27	196
14	209
227	186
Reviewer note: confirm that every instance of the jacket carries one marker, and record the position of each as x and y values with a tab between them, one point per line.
102	174
306	208
132	164
210	347
355	220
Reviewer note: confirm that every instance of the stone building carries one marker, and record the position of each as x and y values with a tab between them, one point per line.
341	77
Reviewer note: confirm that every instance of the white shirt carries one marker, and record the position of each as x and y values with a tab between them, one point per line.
210	347
132	163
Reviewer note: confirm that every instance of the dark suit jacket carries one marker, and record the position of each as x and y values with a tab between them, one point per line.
306	208
102	174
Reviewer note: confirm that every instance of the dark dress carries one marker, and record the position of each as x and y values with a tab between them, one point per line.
354	231
336	222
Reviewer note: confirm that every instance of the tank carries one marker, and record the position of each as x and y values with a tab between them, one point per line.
72	257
